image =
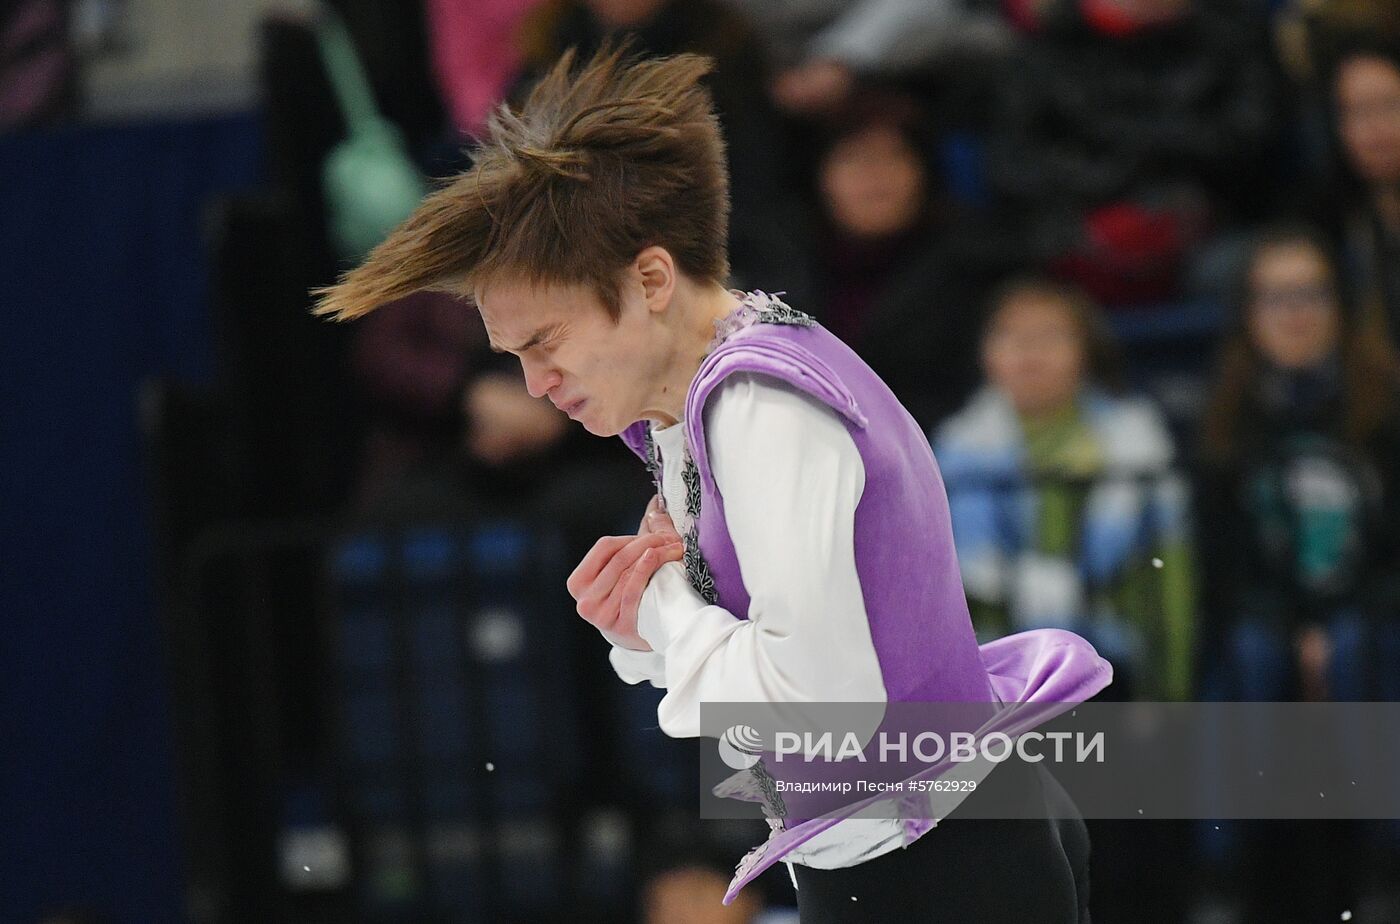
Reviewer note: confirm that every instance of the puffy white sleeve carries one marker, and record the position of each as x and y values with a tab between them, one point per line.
791	478
635	666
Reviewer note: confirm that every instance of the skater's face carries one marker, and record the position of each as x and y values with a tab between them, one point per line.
1293	313
600	372
1034	353
1368	117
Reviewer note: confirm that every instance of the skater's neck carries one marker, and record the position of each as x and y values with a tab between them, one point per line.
696	307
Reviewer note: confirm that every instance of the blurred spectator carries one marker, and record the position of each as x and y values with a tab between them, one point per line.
488	447
494	451
410	360
506	423
823	47
765	251
1131	129
476	54
1313	33
1365	86
899	275
304	121
37	68
507	455
684	881
1300	488
693	894
1065	510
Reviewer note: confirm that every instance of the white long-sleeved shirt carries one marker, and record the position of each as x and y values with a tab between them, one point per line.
791	478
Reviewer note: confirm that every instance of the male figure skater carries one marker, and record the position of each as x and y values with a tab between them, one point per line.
799	549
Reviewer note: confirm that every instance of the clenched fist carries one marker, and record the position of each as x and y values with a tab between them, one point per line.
609	582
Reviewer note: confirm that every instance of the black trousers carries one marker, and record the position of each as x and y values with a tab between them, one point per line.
974	870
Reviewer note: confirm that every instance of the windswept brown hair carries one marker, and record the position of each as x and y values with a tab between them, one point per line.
1370	370
601	162
1103	360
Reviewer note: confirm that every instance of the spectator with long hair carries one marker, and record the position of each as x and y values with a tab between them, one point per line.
1365	96
1299	487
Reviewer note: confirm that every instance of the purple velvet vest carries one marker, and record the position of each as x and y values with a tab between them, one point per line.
904	552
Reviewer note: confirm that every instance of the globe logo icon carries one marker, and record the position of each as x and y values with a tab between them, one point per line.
740	746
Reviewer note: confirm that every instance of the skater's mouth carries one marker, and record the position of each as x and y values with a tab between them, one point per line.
573	409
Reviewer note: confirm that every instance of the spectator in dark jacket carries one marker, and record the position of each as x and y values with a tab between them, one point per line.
1128	131
899	274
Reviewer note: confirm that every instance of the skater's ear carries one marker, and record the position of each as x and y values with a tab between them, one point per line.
655	271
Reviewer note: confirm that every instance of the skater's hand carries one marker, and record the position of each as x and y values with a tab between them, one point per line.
657	520
608	583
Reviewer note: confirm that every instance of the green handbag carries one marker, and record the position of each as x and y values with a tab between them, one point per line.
369	181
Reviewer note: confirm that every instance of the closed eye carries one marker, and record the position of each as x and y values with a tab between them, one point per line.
539	337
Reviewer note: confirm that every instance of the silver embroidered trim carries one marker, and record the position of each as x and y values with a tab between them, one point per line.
775	810
653	461
757	308
690	475
697	570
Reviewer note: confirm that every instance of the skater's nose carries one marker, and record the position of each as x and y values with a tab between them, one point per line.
540	378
